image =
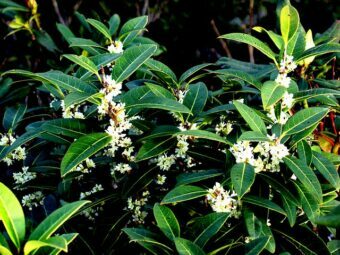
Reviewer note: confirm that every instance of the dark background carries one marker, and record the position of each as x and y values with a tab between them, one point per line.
182	26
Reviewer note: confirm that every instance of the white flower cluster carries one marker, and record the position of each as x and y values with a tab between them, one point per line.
287	100
135	206
95	189
16	155
122	168
287	65
281	120
221	200
33	200
268	156
85	167
181	150
115	47
92	212
223	127
160	180
72	111
24	176
164	162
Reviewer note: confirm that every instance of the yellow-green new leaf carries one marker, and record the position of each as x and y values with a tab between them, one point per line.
56	242
289	22
12	216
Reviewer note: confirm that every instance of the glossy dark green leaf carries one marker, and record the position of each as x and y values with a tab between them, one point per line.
242	178
183	193
166	221
186	247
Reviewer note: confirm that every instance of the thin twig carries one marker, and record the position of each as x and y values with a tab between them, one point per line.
57	11
251	23
75	8
223	43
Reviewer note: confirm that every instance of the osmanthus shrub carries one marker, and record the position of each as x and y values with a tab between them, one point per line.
228	158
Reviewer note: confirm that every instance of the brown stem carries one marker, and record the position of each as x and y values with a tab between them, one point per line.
223	43
57	11
251	24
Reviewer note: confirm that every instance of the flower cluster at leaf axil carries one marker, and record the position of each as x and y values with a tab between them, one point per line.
287	65
136	206
33	200
24	176
17	154
222	200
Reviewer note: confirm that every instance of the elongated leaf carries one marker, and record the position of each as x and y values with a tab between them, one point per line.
55	220
83	148
183	193
305	175
303	120
331	219
154	102
81	42
195	99
271	93
304	152
152	148
319	50
253	136
251	117
289	22
309	202
160	91
162	71
148	240
75	98
68	127
242	178
69	237
56	242
114	24
166	221
12	216
160	131
265	203
203	134
186	247
256	246
132	28
58	79
251	40
131	60
211	223
315	92
327	169
277	40
248	78
84	62
13	115
100	27
290	209
191	71
187	178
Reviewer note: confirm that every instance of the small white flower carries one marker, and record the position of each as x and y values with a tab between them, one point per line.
160	179
283	80
115	47
33	200
287	100
122	168
24	176
165	162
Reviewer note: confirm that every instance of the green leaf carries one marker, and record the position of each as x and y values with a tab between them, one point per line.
309	202
65	32
12	216
211	224
319	50
271	93
154	147
251	117
327	169
187	178
162	71
277	40
251	40
131	60
166	221
315	92
262	202
305	175
84	62
334	247
114	23
242	178
132	28
290	209
55	220
83	148
81	42
289	22
195	99
191	71
256	246
13	115
304	152
253	136
56	242
160	131
69	239
160	91
74	128
57	79
303	120
203	134
155	102
186	247
183	193
75	98
100	27
148	240
248	78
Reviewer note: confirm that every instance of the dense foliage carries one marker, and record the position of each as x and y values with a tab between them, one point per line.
228	158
